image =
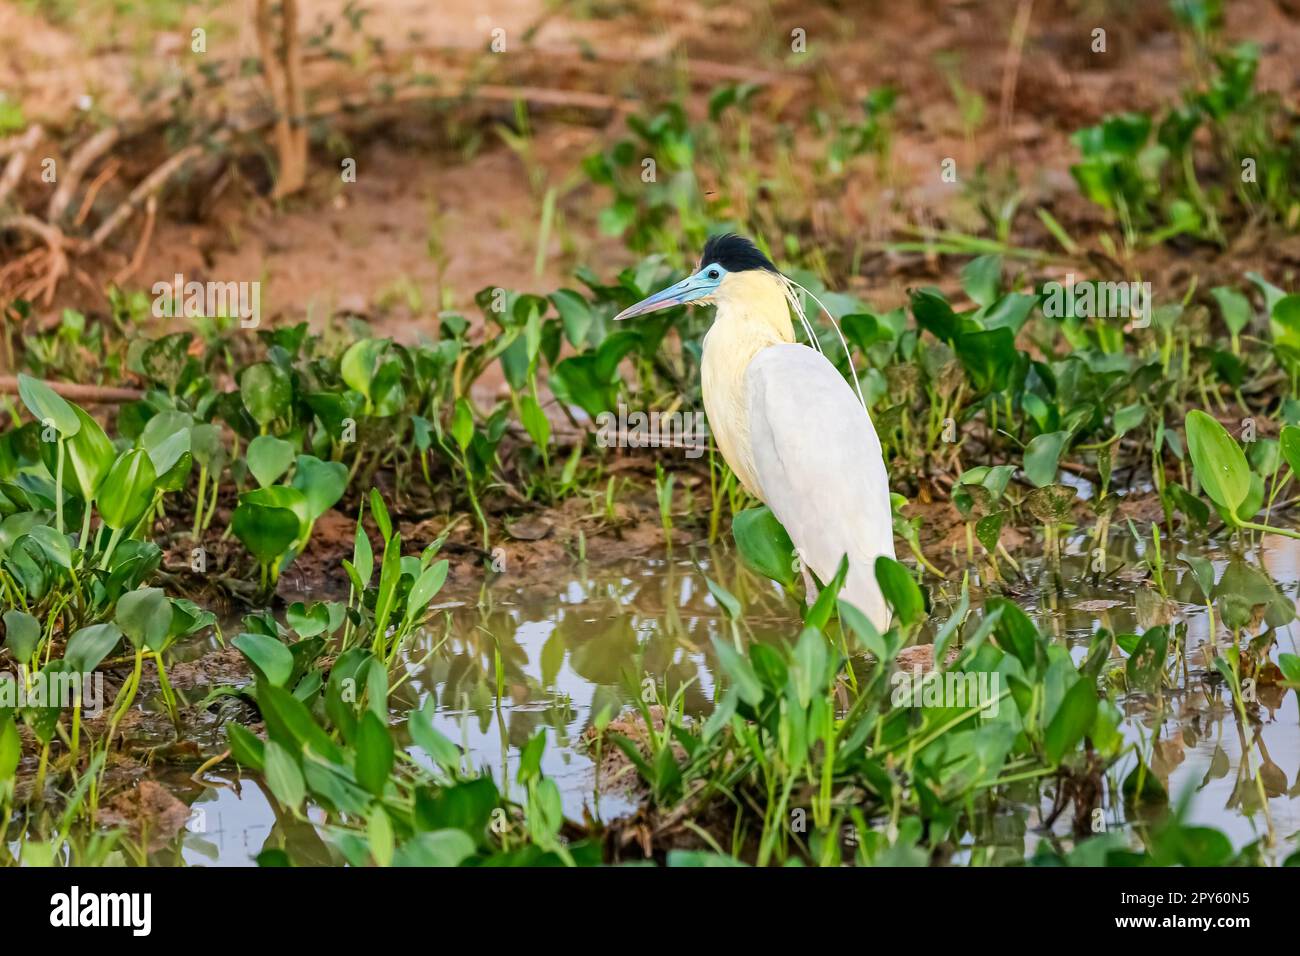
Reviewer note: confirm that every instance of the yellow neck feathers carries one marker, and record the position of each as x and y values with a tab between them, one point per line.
752	314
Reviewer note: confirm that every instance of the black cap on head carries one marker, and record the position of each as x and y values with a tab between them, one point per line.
735	254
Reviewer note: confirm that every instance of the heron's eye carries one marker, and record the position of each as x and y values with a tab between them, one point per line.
713	273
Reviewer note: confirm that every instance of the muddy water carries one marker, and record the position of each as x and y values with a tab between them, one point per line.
588	640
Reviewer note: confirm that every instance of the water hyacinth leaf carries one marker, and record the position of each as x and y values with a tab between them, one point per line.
1202	572
1073	718
127	490
266	392
1015	632
431	740
272	659
380	512
175	478
1289	445
268	458
206	445
283	775
981	278
307	621
884	647
266	531
1289	665
1042	457
900	590
462	424
544	814
764	544
166	437
283	497
53	545
1141	785
1218	460
425	588
90	455
988	357
47	406
535	421
1051	503
290	723
357	367
727	601
989	529
1129	417
321	482
741	672
374	753
145	617
43	719
440	848
1146	664
575	315
11	748
1234	306
88	646
22	634
390	571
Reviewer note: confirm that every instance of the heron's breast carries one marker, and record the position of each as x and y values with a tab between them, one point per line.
726	401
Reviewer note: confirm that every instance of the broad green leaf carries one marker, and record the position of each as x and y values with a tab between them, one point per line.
127	490
90	455
1042	457
321	482
440	848
741	672
266	391
535	421
1234	306
266	531
269	458
88	647
1073	718
22	634
374	753
764	544
430	739
283	775
900	590
727	601
46	405
1219	461
145	617
425	587
271	657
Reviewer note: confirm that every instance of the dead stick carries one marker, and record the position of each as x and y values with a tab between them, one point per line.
13	171
137	260
81	160
91	394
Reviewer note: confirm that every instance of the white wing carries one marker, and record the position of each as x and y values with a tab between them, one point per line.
819	463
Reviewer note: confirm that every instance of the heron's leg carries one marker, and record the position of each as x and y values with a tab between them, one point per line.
810	585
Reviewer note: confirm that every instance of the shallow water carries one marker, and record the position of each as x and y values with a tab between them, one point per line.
584	640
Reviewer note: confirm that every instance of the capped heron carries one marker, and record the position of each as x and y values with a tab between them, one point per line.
793	430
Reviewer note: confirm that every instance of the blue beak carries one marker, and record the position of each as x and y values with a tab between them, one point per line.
690	289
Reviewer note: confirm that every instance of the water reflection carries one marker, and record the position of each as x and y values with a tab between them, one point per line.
517	655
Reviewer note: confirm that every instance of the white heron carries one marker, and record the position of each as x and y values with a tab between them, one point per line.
792	429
